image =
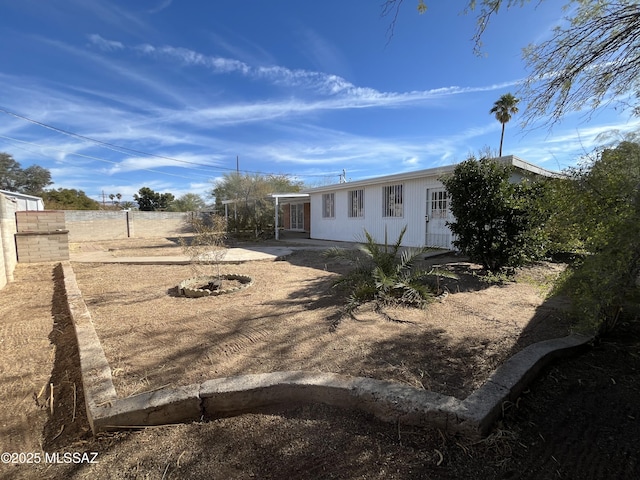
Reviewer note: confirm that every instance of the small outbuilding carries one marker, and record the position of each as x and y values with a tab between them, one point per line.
24	202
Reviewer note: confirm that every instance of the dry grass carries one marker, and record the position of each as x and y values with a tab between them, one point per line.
283	322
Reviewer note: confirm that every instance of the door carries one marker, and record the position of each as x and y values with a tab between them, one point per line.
438	214
297	216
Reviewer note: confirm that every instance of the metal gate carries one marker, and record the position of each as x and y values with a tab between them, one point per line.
437	233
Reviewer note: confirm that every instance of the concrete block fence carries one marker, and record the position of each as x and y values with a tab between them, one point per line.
44	235
41	236
92	225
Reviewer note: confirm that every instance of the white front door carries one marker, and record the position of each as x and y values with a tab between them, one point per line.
438	214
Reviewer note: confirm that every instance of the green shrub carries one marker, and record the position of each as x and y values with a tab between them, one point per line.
497	223
384	275
603	216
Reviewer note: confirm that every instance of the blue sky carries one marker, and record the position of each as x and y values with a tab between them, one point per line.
167	94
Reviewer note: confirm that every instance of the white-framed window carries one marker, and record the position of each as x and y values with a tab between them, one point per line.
356	203
439	204
328	205
392	201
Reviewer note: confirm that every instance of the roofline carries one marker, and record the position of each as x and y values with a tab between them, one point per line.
289	195
272	195
19	195
511	160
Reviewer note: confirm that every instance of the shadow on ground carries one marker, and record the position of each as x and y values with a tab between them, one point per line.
578	420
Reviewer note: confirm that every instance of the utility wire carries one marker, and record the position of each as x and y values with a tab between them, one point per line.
121	149
93	158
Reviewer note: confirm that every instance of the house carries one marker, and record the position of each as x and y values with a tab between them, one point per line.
24	202
417	200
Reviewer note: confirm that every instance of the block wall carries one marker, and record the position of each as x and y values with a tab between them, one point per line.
158	224
91	225
41	236
88	225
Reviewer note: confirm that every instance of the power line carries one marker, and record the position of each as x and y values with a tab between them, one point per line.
121	149
91	157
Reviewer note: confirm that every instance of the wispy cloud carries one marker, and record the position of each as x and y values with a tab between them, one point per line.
104	44
161	6
324	54
185	161
341	92
111	14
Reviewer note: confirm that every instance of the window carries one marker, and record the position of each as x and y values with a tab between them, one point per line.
356	203
328	205
439	204
392	201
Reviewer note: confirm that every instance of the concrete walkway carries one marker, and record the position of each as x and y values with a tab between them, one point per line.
231	255
246	253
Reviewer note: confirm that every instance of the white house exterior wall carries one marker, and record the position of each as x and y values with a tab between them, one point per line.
416	187
348	229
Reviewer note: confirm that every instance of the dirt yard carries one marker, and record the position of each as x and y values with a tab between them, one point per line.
579	420
290	319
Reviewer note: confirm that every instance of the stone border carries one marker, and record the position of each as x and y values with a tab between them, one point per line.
185	288
472	417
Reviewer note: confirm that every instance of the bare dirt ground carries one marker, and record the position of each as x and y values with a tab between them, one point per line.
579	420
290	319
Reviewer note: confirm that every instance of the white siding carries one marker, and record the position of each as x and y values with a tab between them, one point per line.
350	229
25	202
415	185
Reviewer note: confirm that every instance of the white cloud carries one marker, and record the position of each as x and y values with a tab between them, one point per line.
337	91
104	44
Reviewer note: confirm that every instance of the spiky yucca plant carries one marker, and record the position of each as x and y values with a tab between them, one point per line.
384	277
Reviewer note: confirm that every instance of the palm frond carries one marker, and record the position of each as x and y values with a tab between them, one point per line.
385	274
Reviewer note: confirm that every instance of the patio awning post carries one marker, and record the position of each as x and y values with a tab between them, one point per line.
276	222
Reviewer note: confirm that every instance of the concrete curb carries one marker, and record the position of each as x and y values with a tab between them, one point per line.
472	417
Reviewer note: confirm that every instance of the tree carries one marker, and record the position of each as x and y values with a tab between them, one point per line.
115	200
253	210
503	108
68	199
10	172
207	245
31	180
590	60
602	210
149	201
189	202
594	60
497	223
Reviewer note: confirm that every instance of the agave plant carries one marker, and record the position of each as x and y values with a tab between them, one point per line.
384	275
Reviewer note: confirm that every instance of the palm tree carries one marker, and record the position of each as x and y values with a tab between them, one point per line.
504	107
